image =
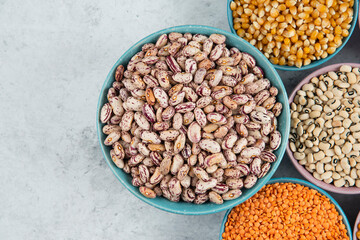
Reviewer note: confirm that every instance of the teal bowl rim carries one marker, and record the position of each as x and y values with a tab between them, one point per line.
214	208
313	64
307	184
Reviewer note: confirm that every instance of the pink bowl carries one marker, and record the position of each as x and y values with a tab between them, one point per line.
356	226
300	168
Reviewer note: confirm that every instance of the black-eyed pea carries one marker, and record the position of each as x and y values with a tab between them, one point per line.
345	68
299	155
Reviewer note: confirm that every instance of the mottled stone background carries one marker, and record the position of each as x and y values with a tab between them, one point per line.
54	57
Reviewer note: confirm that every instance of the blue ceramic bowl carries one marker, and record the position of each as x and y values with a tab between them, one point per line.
283	122
313	63
303	183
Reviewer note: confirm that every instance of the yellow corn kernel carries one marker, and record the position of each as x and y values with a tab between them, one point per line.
325	23
282	7
248	36
329	3
324	41
291	63
289	18
265	41
300	53
271	45
248	11
321	8
252	42
267	25
240	32
312	57
286	54
245	25
290	33
252	7
315	13
237	26
293	10
317	47
282	61
294	38
300	33
279	38
273	31
290	3
298	63
285	48
274	60
287	41
293	50
303	15
345	33
339	20
280	18
292	58
274	13
306	50
260	21
330	36
307	61
337	40
345	25
276	52
233	6
317	21
308	9
332	44
261	12
331	50
269	37
256	25
256	34
306	42
343	7
314	34
324	54
320	36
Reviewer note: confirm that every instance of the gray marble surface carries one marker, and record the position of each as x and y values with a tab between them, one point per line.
54	57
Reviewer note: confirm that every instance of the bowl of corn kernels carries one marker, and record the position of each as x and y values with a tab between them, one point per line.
294	35
357	228
287	208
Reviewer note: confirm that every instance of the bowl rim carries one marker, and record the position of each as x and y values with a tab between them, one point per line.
304	183
315	63
219	208
357	221
300	168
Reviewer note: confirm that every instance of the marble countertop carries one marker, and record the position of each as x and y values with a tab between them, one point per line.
54	57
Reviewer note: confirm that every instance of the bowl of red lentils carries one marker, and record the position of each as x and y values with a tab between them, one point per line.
294	35
357	228
287	208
